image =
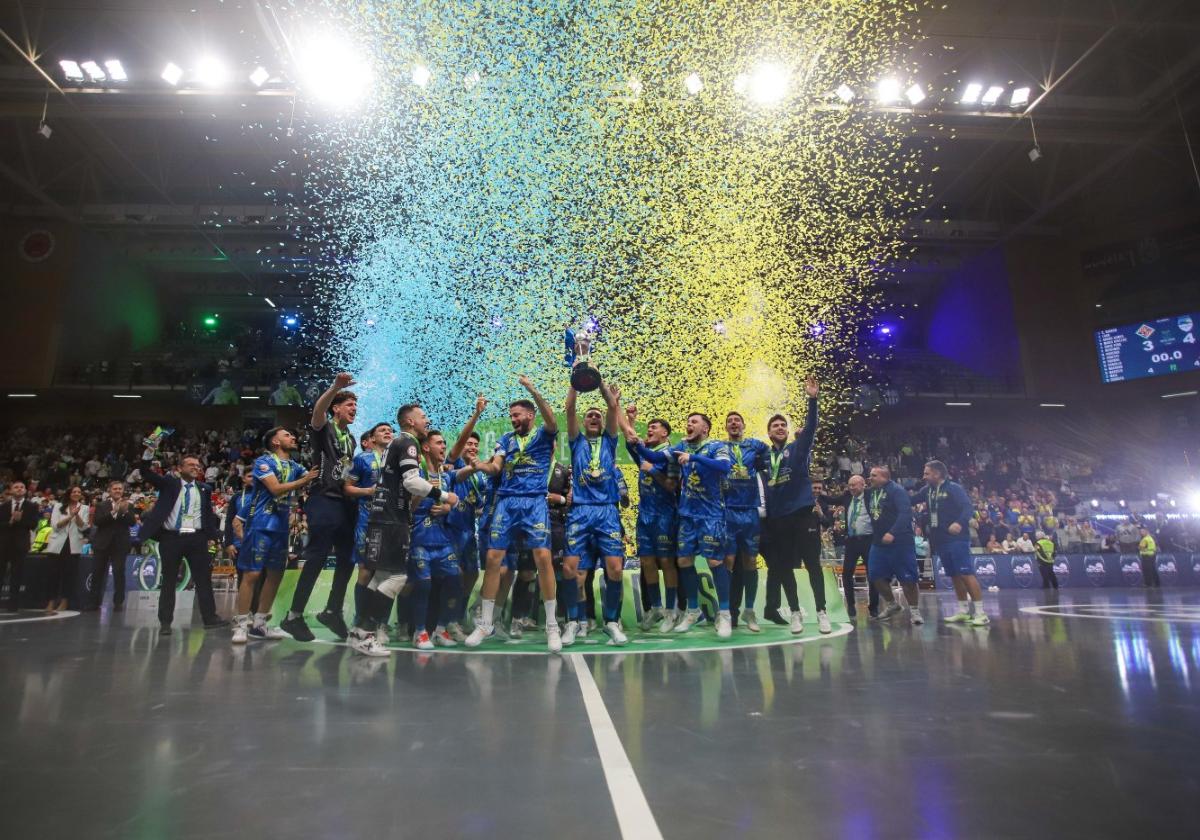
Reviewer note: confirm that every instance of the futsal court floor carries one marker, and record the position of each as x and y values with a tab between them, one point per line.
1069	717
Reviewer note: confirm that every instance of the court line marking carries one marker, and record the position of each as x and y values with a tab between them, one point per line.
502	649
63	614
634	816
1193	618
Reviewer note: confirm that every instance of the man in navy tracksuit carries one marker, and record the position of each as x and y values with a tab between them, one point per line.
792	532
950	514
893	548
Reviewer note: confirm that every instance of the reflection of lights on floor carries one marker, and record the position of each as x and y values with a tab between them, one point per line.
1178	660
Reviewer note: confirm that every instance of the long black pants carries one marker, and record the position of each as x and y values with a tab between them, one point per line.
857	548
793	541
174	548
116	559
1150	570
330	528
62	570
1049	579
12	563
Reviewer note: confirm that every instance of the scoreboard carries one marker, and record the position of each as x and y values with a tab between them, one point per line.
1149	348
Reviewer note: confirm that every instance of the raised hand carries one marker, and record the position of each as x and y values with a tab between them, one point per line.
811	388
631	412
343	380
480	404
525	382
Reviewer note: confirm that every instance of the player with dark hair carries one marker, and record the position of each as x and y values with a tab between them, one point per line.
331	515
462	522
950	512
745	506
658	511
522	459
361	482
703	467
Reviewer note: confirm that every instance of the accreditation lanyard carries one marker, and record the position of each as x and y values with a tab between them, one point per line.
344	443
852	516
283	467
934	495
594	462
776	465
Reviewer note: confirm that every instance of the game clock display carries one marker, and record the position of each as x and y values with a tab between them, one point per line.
1149	348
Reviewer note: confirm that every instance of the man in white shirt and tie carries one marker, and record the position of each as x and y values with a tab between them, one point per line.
858	538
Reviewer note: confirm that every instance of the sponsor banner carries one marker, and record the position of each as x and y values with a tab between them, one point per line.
1080	571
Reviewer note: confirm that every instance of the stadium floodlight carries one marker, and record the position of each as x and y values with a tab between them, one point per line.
171	74
1095	503
333	71
888	90
210	72
1194	500
1120	503
116	71
741	83
71	71
421	75
915	94
259	77
94	71
845	93
1020	97
971	94
992	95
270	302
693	83
768	83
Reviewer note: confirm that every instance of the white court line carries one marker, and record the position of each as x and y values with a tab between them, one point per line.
1186	618
55	616
633	811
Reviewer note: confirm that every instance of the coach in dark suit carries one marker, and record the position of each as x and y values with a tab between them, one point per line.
856	517
18	521
183	522
110	543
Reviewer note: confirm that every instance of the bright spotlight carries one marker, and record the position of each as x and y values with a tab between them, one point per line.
971	94
1120	503
845	93
1020	97
93	70
333	71
71	71
741	82
259	77
116	71
992	96
915	94
1095	503
210	72
768	83
421	75
171	74
889	90
693	84
471	79
1194	500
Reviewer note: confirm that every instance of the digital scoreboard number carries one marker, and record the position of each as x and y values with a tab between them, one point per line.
1149	348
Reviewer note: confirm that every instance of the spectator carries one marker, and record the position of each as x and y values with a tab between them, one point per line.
1024	544
68	523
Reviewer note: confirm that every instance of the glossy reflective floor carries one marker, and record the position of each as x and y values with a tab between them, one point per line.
1080	723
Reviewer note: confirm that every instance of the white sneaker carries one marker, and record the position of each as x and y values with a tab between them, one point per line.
915	616
797	622
615	634
421	641
456	632
803	613
891	610
654	616
441	638
958	618
584	626
270	634
381	634
554	640
366	644
981	619
481	632
239	634
516	629
568	636
823	624
686	621
750	620
724	625
670	617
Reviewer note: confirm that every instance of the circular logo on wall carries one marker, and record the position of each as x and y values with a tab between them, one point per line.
1063	572
1168	570
37	245
985	570
148	574
1022	571
1093	567
1131	569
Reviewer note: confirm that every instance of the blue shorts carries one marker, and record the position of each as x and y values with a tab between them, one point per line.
593	533
360	541
263	550
439	561
467	550
742	528
520	517
703	537
656	534
956	558
897	560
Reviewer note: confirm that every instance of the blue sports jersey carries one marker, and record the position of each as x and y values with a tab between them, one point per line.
242	512
702	479
471	492
527	462
742	486
364	471
430	531
268	512
653	498
594	470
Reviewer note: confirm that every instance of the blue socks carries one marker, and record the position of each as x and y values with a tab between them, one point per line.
568	596
721	578
448	608
672	594
750	581
613	590
655	592
691	586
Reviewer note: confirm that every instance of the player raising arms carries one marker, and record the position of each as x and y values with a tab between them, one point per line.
522	459
658	503
745	505
360	485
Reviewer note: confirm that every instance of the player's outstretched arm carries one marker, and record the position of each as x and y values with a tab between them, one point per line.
572	414
613	413
320	412
460	444
549	422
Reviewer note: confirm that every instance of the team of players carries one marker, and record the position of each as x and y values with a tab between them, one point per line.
425	521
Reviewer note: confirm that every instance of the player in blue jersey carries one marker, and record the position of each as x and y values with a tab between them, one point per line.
950	512
522	459
360	484
703	467
463	520
745	508
893	548
264	547
658	504
594	522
